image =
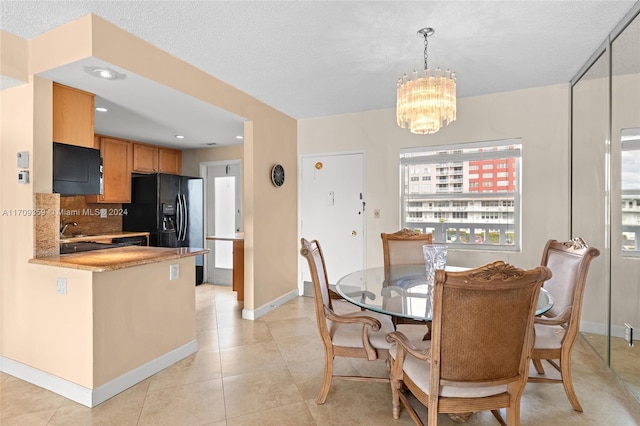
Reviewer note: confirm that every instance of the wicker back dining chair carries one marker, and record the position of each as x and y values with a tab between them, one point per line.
557	329
481	341
354	334
404	248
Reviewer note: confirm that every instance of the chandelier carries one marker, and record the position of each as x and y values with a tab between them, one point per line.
426	102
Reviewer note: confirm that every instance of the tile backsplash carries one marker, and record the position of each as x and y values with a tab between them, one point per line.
90	218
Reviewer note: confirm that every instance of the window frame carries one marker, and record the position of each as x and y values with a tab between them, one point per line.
435	157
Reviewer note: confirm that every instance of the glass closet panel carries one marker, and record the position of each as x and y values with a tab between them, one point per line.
590	186
625	217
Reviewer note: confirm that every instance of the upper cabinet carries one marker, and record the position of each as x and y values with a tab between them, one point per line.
73	112
116	172
156	159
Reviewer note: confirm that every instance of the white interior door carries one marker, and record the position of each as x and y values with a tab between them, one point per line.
332	211
223	217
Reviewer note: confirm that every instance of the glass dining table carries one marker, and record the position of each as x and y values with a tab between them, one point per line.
402	291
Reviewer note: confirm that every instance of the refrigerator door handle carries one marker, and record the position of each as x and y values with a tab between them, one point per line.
179	218
185	218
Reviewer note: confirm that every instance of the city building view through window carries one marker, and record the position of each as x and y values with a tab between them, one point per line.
466	195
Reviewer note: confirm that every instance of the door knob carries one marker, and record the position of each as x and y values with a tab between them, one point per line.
354	233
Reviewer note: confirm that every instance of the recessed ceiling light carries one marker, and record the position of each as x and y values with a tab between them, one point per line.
179	137
104	73
101	109
239	137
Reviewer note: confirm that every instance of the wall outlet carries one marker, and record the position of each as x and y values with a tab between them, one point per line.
628	334
61	285
174	271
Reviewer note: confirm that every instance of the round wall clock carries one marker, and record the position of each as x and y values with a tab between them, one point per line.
277	175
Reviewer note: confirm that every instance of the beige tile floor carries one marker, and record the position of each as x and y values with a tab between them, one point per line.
268	372
625	360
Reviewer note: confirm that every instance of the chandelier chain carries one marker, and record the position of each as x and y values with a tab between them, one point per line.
426	55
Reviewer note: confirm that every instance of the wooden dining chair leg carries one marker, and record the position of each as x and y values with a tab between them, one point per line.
498	416
538	365
395	398
326	380
567	382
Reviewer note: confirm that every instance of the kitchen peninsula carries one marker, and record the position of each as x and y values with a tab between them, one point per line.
107	319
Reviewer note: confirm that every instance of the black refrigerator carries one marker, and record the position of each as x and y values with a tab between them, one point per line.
171	209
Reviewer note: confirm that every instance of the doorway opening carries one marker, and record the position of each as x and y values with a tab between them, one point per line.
223	216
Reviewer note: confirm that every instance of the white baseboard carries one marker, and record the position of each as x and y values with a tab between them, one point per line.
593	327
92	397
252	314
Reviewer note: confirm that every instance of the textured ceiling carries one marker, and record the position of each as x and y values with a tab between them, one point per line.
319	58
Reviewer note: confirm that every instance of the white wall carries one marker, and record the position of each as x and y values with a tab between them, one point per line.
539	116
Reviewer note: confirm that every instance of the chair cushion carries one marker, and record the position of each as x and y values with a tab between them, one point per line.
548	336
350	335
420	373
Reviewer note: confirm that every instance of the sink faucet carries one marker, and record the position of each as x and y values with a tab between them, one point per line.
63	226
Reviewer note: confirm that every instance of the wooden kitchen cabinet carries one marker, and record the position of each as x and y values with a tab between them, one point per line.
169	160
145	158
156	159
116	172
73	112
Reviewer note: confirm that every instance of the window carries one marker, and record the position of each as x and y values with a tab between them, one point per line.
466	206
426	177
630	186
415	178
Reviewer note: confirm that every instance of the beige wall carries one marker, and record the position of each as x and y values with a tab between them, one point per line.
28	294
539	116
144	312
13	57
191	158
39	328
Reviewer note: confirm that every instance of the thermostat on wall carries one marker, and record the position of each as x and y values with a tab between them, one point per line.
23	176
23	160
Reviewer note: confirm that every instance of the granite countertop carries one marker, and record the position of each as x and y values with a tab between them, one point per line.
117	258
91	237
